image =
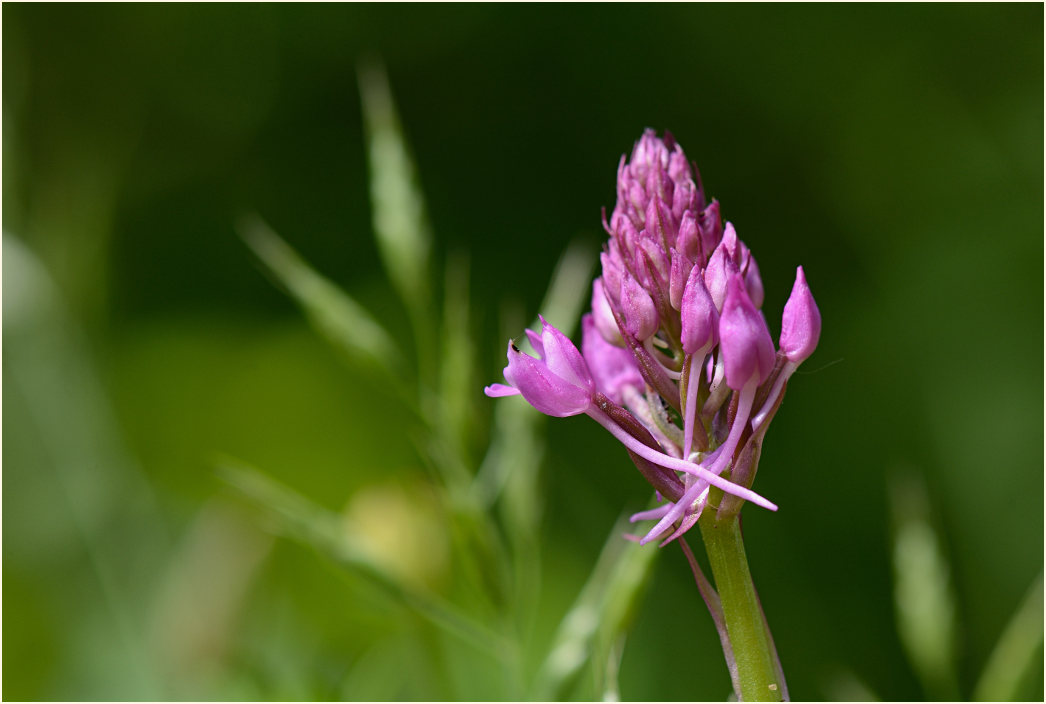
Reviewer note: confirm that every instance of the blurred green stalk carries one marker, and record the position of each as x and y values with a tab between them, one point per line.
1015	651
924	598
593	632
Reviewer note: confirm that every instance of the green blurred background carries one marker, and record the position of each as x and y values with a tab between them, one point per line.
894	151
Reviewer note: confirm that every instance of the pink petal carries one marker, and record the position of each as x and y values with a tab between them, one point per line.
498	390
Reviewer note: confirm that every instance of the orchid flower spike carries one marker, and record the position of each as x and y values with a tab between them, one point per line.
674	324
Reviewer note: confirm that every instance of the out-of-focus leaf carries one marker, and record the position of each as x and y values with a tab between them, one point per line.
325	531
86	495
457	384
568	292
1014	652
400	223
509	471
332	311
845	686
513	459
611	688
378	674
627	581
597	622
923	595
203	592
449	407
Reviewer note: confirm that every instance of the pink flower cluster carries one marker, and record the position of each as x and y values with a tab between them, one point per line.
677	361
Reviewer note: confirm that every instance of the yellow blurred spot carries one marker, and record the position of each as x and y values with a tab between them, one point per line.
403	530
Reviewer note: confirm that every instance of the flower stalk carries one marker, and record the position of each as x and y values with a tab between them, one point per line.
759	676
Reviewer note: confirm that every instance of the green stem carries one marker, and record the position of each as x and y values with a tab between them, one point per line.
758	671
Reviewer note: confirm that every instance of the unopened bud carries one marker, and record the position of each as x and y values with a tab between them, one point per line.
744	339
700	317
603	315
640	313
800	322
681	268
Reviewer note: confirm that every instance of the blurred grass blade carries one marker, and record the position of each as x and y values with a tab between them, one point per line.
378	674
510	469
336	314
400	224
203	594
512	462
844	685
626	585
599	618
325	531
80	489
509	472
569	292
1015	650
924	601
611	689
455	420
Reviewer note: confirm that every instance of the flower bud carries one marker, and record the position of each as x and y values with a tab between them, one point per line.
720	267
699	314
636	202
616	218
603	315
689	239
613	368
656	261
640	313
622	178
732	245
800	322
648	152
661	225
678	274
627	236
655	187
613	271
678	166
710	224
742	257
744	340
653	223
607	227
753	281
658	186
685	198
